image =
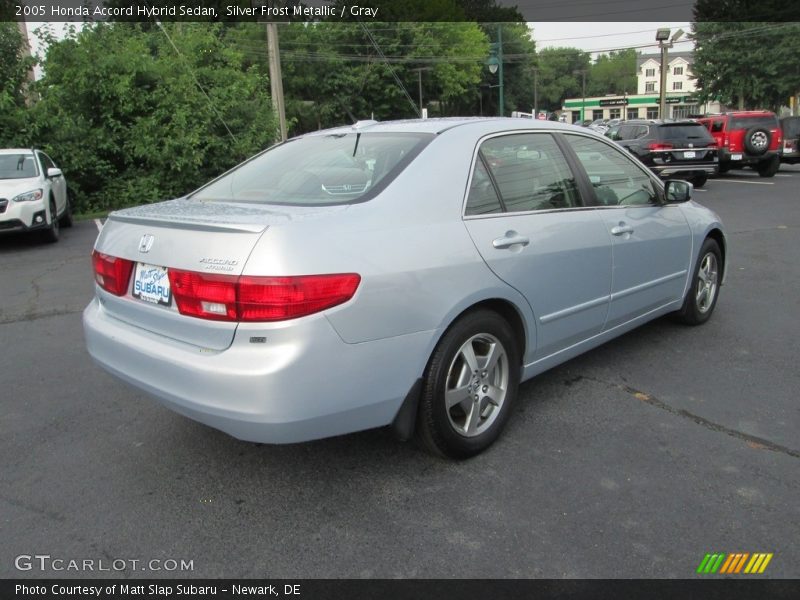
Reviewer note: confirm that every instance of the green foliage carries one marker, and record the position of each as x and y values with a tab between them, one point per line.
747	65
559	76
13	75
333	73
122	111
613	73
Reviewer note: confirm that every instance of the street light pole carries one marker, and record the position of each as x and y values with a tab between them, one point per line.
665	42
535	93
582	73
500	66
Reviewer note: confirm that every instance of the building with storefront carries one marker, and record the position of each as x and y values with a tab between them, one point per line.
646	102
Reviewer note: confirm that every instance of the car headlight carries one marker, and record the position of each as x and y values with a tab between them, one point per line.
28	196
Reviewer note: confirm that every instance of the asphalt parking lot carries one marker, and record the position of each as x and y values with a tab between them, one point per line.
634	460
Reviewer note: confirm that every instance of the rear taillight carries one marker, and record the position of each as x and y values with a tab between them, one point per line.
111	273
247	298
205	296
659	146
726	141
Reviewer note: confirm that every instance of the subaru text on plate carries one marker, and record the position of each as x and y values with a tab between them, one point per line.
409	273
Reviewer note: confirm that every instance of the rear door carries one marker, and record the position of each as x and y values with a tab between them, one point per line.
651	241
526	217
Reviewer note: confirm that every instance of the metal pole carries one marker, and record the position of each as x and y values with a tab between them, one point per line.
275	78
583	106
536	93
500	67
419	73
663	86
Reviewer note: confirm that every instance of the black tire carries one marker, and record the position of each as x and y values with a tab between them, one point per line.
724	168
66	218
757	140
52	233
699	181
439	428
695	310
769	167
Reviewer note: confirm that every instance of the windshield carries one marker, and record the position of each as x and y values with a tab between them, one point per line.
339	168
17	166
685	132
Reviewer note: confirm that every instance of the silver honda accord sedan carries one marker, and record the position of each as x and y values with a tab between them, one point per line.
407	273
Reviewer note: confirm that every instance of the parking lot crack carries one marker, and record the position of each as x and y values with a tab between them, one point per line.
751	440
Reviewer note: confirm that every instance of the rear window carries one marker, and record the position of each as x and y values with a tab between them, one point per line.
791	127
767	121
340	168
17	166
694	131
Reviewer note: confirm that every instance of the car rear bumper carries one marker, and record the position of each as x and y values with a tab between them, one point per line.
684	169
743	159
303	383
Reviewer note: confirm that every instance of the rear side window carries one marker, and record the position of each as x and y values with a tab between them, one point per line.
616	179
767	121
684	132
717	126
482	199
338	168
529	172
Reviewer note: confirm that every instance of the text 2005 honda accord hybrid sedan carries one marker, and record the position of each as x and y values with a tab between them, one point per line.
409	273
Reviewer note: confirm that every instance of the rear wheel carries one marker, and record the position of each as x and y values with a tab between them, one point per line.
769	167
699	181
702	295
469	387
51	234
724	167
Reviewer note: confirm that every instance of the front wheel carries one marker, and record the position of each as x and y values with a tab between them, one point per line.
704	290
469	387
51	234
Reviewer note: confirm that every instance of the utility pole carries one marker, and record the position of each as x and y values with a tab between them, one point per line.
535	93
275	77
582	73
419	71
500	69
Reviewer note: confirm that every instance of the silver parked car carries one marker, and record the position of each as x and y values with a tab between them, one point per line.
409	273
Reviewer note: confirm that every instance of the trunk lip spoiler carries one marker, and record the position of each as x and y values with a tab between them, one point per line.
188	223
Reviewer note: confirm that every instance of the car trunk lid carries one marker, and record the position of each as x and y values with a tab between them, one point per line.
212	238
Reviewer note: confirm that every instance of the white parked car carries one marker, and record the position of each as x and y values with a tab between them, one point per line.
33	194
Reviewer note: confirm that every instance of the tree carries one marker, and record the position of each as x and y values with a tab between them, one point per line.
125	115
613	73
558	75
749	65
13	83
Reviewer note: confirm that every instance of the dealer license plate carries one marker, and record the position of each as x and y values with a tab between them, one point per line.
688	155
151	284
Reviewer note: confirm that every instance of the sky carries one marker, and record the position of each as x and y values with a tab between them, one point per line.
591	37
604	36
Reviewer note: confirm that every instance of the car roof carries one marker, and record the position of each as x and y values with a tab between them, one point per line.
16	151
441	125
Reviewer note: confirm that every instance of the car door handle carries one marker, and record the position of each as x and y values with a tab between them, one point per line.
621	229
511	238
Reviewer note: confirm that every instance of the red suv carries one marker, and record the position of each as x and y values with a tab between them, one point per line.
747	139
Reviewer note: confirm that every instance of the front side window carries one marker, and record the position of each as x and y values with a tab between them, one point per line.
17	166
616	180
529	172
338	168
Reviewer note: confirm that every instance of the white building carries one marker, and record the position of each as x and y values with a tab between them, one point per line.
645	103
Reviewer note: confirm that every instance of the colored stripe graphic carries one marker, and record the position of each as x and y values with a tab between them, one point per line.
734	563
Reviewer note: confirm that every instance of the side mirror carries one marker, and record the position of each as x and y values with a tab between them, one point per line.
53	173
677	191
